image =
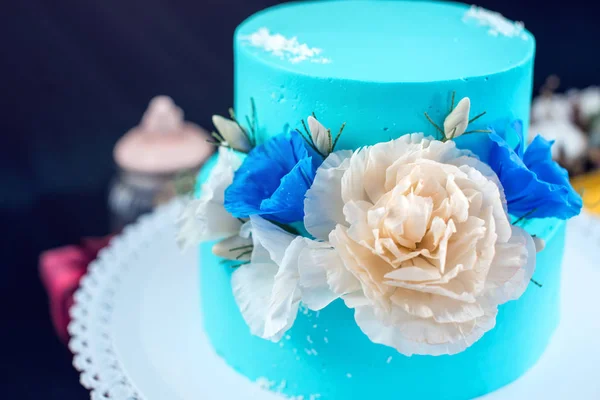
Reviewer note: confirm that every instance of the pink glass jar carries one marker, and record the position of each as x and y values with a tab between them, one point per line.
154	158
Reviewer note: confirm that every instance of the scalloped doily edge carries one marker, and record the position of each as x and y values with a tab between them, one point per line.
90	327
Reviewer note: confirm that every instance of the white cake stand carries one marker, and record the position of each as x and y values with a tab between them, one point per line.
137	334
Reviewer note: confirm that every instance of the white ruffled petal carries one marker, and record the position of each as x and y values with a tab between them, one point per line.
353	184
440	308
323	203
252	285
410	335
512	268
266	290
274	239
285	295
189	232
323	276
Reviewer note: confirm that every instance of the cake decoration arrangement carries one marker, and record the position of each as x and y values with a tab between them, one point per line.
375	216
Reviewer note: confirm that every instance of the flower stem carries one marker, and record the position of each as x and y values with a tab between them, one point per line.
338	136
434	124
536	283
475	118
478	131
524	216
308	134
245	253
247	246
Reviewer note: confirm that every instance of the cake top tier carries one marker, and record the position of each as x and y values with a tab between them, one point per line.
386	41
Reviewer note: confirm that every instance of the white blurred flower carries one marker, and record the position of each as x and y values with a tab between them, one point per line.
555	108
457	121
588	103
205	218
414	235
233	134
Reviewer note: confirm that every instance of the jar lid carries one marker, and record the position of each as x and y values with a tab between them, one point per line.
163	142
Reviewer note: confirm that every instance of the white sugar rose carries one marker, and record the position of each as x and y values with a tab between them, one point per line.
205	218
414	235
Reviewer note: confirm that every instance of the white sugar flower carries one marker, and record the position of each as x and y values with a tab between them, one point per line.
266	290
414	235
321	136
588	103
552	108
205	218
457	121
232	133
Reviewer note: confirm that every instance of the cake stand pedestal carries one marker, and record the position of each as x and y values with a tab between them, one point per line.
137	332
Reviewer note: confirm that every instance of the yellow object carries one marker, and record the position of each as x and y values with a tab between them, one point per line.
588	186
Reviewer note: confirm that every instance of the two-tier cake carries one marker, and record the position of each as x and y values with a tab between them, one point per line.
371	223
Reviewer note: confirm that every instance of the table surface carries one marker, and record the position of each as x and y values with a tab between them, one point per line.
137	330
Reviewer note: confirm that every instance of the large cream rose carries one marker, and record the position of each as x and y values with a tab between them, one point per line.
415	236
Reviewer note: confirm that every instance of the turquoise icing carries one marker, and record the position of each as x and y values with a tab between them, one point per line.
390	63
381	66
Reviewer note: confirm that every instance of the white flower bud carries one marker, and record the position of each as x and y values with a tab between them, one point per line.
457	121
540	244
234	248
320	136
232	133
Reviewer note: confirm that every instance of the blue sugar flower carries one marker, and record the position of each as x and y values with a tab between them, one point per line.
273	180
531	179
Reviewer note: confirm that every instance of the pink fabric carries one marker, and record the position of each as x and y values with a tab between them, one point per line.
60	271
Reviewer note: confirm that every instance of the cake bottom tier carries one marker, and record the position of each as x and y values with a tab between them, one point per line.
326	356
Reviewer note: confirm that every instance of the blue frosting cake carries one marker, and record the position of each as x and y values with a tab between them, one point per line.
379	66
384	69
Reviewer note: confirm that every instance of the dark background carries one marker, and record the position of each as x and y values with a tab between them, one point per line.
76	74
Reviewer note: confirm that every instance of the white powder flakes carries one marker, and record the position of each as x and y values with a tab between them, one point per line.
348	375
289	49
325	339
389	360
309	340
497	24
311	352
265	383
287	337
